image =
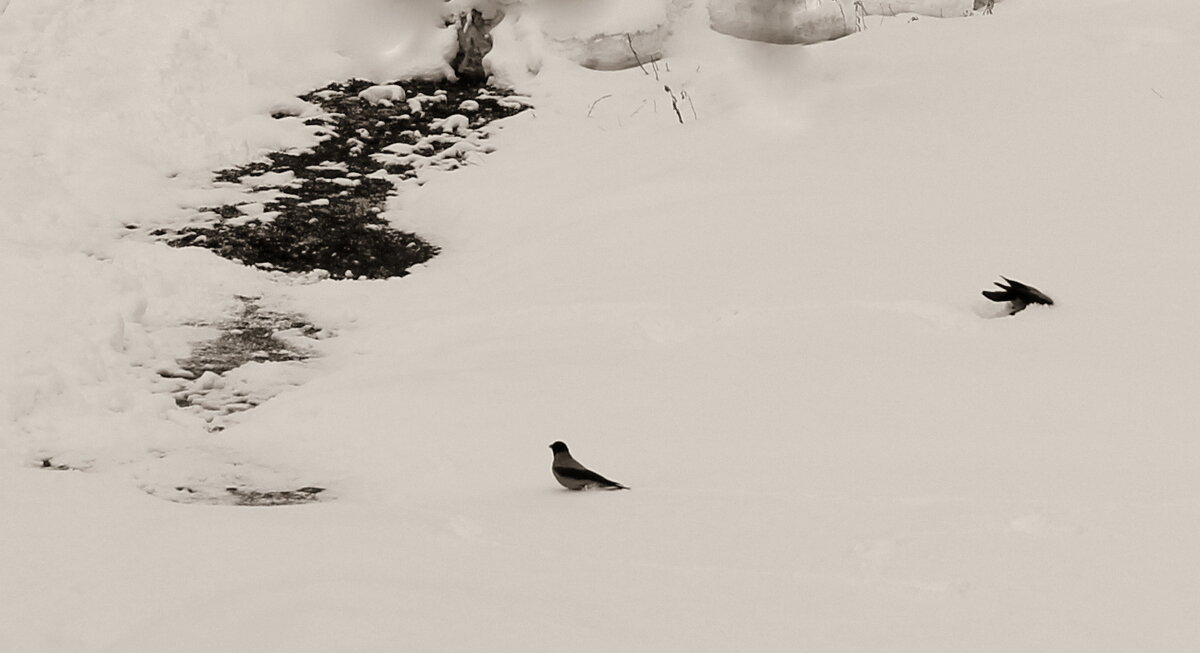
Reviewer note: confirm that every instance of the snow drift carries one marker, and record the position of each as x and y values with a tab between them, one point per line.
766	321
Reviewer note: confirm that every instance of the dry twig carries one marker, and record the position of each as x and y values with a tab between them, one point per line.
674	104
629	40
685	95
595	102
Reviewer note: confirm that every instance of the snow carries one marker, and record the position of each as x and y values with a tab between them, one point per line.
384	94
456	124
939	8
766	321
574	18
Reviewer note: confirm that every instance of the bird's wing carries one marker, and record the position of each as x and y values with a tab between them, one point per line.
1031	294
997	295
1038	297
586	475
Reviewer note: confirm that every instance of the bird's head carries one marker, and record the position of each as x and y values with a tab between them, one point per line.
558	447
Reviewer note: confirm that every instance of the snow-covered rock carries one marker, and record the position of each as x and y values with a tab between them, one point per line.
455	124
384	94
783	21
938	8
610	34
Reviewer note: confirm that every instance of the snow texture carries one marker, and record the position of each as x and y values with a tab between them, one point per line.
766	320
385	94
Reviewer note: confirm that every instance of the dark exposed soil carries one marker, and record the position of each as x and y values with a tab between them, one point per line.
319	210
202	383
326	215
250	337
242	496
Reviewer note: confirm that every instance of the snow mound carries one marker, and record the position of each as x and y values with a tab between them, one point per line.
382	94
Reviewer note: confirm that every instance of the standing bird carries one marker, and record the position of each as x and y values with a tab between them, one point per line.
574	476
1018	295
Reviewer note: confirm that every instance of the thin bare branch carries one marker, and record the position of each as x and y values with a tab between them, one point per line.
674	104
687	96
595	102
629	40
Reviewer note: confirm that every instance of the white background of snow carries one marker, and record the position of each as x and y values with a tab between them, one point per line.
765	321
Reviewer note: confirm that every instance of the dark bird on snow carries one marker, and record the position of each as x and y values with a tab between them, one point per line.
574	476
1018	295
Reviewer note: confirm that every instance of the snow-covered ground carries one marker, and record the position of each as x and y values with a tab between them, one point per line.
766	321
